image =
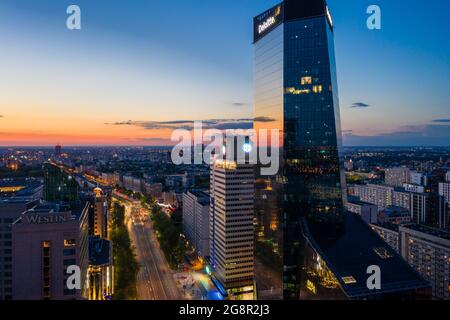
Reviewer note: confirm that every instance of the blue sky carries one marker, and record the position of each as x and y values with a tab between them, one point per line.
155	60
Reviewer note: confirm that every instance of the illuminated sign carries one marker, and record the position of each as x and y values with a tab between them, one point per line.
267	21
46	219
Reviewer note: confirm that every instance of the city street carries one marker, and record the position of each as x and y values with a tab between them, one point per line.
155	280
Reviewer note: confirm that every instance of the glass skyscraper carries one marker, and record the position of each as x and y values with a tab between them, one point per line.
301	225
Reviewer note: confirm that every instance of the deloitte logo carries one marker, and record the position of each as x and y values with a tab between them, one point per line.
266	24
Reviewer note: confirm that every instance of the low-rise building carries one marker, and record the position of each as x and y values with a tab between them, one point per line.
367	211
196	224
395	215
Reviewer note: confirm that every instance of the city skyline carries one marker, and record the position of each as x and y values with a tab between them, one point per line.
113	82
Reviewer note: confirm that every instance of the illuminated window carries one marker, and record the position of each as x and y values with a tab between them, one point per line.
69	242
317	89
349	280
311	287
46	244
295	91
383	253
306	80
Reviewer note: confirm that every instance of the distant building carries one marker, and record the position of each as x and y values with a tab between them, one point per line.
447	176
21	189
170	199
154	190
367	211
401	198
379	195
58	150
397	177
418	178
10	210
444	190
348	165
100	272
429	209
58	185
428	251
98	219
47	240
413	188
196	220
394	215
132	183
177	182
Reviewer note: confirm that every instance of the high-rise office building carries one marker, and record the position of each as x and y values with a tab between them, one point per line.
305	241
47	240
196	220
58	185
231	225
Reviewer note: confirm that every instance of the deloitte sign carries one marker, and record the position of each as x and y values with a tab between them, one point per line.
267	21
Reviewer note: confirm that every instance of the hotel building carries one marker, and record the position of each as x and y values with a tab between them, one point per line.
10	211
47	239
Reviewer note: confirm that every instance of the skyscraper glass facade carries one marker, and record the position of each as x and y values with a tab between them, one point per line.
296	87
304	240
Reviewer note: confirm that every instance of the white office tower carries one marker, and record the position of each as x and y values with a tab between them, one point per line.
231	218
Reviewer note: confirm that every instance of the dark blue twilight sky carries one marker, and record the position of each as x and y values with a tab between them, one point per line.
159	60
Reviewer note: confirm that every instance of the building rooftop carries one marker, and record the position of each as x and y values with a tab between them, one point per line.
444	234
202	196
387	225
45	208
357	201
394	211
19	187
99	251
360	247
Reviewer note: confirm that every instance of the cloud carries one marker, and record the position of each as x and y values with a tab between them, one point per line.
219	124
426	136
239	104
359	105
263	119
441	120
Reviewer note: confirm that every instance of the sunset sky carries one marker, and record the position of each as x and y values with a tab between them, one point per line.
141	68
